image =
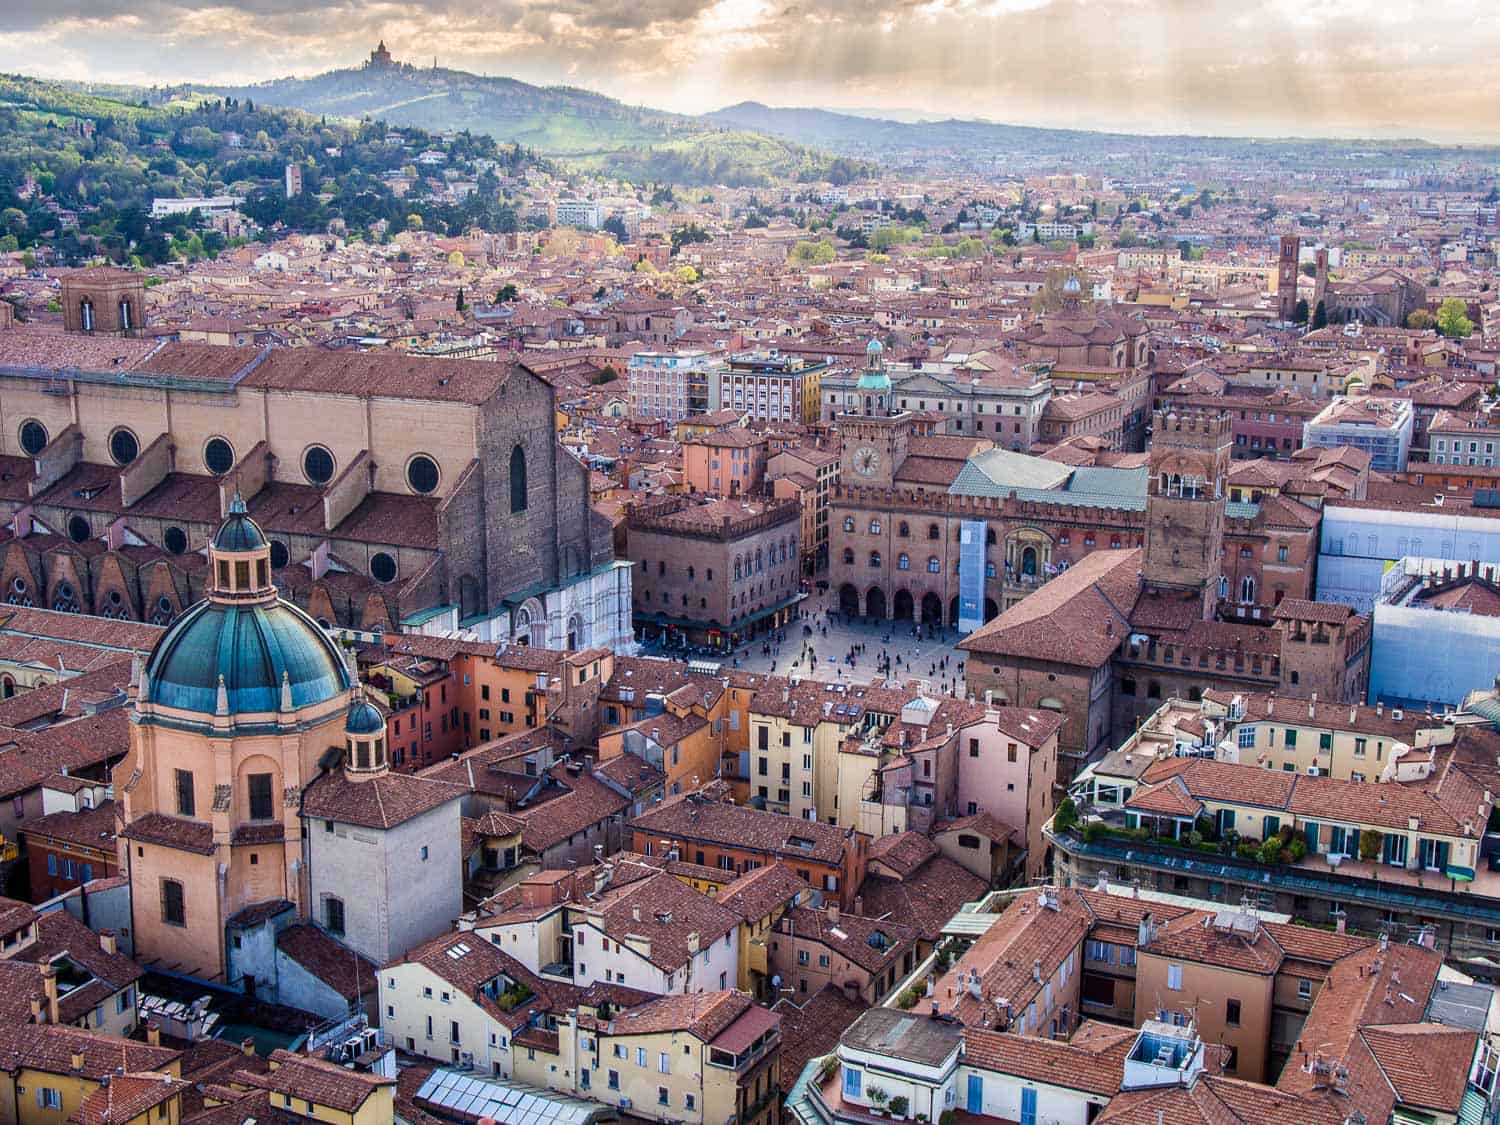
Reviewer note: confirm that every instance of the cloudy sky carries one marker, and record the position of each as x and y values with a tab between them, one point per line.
1338	67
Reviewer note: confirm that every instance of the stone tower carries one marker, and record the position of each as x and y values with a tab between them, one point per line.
1286	276
1320	280
876	435
1189	462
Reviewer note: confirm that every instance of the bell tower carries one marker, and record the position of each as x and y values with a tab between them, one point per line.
1286	276
1189	463
876	435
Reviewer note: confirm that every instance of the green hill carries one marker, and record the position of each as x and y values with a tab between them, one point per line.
98	162
578	126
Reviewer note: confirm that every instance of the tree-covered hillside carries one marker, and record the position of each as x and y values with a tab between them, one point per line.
78	172
578	126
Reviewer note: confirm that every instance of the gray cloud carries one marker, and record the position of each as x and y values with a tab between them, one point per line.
1169	65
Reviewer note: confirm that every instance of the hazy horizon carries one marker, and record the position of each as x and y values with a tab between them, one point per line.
1343	70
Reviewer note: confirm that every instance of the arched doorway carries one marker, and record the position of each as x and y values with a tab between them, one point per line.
576	639
991	610
848	600
932	609
875	603
903	609
1028	562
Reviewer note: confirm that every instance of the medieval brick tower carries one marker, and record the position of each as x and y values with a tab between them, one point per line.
1185	503
103	301
1286	276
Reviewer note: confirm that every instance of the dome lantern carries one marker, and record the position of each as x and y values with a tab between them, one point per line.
240	559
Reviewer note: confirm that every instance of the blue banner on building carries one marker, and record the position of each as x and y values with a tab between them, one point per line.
971	535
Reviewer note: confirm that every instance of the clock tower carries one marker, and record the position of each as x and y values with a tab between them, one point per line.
875	434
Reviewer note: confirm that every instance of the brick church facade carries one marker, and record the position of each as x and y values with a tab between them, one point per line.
396	491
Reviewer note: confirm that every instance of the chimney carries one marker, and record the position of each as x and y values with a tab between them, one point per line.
49	990
108	942
859	905
833	913
247	1045
693	943
1036	970
1145	932
635	913
153	1035
75	1061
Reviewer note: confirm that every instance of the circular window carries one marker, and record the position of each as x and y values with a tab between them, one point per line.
218	455
78	529
123	446
317	464
280	556
18	585
382	567
175	539
422	474
114	597
164	605
33	437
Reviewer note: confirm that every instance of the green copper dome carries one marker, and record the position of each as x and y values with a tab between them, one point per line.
251	646
364	718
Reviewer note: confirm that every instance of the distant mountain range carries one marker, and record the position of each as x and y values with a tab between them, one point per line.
580	126
869	135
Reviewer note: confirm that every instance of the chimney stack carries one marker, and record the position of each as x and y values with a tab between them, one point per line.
49	990
108	942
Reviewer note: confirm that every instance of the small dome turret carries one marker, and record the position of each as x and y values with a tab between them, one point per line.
365	753
364	718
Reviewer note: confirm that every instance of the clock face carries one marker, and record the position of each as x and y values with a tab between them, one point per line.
866	461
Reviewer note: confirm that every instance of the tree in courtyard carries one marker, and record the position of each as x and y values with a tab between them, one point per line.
1453	319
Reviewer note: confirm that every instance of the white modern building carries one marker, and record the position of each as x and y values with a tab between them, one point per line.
1360	543
205	205
1436	632
586	213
